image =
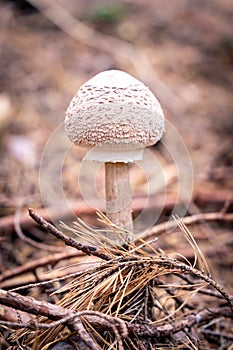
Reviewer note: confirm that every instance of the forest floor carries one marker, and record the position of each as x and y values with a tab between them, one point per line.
183	51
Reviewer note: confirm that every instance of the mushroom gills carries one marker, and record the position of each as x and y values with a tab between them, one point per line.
114	156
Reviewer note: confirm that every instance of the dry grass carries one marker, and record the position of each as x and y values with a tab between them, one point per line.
139	285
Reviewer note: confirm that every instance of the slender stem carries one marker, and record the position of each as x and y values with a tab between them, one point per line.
118	194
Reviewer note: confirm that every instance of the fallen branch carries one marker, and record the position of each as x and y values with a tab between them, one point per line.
170	263
25	238
79	208
101	321
7	222
33	265
168	226
11	316
64	316
69	241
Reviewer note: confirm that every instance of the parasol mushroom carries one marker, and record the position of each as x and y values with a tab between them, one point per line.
116	117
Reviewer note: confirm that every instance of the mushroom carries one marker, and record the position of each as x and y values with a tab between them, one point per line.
116	117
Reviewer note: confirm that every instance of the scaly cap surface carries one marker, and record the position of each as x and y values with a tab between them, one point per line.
114	113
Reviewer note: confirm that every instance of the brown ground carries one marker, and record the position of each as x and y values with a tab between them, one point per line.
182	49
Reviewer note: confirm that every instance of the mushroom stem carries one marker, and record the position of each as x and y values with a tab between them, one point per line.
118	194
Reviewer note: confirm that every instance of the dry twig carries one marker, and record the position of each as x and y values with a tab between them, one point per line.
133	293
188	220
69	241
33	265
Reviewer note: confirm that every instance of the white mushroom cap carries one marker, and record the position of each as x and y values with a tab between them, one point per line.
116	116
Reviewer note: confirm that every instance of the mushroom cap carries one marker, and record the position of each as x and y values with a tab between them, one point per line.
114	113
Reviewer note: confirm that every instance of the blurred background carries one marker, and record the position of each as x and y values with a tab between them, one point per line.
181	49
